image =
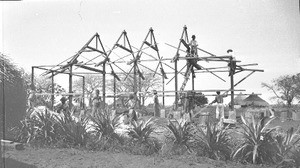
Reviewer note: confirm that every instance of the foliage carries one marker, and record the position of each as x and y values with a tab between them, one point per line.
92	82
40	130
71	131
142	138
287	145
200	99
150	83
285	88
104	127
213	141
181	135
14	95
258	145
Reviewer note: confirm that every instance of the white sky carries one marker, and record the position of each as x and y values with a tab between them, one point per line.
259	31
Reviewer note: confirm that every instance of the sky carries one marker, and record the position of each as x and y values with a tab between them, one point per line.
265	32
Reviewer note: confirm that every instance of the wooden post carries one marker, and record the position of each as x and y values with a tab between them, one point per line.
52	90
70	87
176	85
232	83
32	75
163	98
103	85
83	92
114	92
193	81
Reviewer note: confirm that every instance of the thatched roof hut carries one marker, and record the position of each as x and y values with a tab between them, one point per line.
238	100
254	100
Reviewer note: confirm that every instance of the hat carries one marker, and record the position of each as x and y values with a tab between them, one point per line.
154	92
229	50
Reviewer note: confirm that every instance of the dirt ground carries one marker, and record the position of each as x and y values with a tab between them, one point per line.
65	158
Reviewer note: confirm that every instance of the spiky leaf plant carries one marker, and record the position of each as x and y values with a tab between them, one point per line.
71	131
213	141
103	127
46	128
181	135
141	134
41	129
258	144
288	145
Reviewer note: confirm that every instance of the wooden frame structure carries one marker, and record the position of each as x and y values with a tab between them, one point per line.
95	45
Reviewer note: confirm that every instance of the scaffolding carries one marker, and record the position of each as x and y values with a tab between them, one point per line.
103	60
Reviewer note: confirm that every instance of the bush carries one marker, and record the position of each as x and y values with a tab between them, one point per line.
71	131
39	130
288	148
104	132
142	140
213	142
178	140
258	144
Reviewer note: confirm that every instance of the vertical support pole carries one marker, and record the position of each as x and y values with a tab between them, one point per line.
3	98
232	84
32	75
70	87
193	81
52	91
140	90
103	85
176	85
163	98
83	92
134	78
114	92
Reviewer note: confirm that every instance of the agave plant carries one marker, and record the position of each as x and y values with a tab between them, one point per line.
40	129
214	141
258	144
141	134
46	128
26	132
287	145
71	131
181	134
104	127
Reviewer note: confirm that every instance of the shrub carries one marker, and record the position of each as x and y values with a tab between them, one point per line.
258	144
71	131
40	129
287	148
142	139
180	136
213	142
103	129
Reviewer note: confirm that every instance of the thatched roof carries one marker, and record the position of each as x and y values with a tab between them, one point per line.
254	100
238	100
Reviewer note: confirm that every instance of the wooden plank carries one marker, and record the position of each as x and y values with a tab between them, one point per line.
11	145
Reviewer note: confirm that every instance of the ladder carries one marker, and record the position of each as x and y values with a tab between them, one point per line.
186	78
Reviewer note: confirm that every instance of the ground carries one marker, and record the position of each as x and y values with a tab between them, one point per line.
69	157
65	158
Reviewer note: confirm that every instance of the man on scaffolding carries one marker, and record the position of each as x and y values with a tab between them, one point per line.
192	53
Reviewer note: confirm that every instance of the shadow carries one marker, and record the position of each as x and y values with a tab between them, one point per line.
12	163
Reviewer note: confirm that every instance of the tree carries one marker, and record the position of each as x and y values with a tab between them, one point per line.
126	85
12	93
285	88
92	82
200	99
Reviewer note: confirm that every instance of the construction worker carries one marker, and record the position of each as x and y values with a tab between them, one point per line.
96	103
193	45
220	106
31	99
131	103
156	104
62	106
